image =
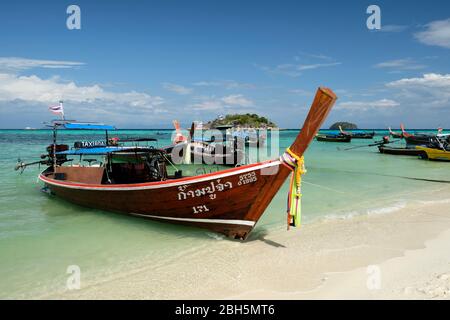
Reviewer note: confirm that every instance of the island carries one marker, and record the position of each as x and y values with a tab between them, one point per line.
344	126
246	120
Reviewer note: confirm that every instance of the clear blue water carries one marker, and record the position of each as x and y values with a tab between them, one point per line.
41	235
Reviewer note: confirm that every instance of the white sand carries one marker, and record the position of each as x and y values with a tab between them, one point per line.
402	255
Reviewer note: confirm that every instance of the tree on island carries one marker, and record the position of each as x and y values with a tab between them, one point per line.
243	120
344	126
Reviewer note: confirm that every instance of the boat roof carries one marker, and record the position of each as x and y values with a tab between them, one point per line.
88	126
102	150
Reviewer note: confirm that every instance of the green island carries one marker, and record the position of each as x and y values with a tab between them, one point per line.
247	120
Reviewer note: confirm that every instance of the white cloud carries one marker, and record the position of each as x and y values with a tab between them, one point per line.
429	80
400	64
177	88
430	90
17	64
237	100
437	33
227	102
38	90
368	105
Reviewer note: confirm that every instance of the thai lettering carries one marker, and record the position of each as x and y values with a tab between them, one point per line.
209	190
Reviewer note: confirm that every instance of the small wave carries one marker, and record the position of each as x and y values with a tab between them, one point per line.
384	210
428	202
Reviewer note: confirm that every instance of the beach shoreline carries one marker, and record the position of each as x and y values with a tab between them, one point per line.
404	254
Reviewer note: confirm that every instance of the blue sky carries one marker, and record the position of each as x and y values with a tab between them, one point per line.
141	64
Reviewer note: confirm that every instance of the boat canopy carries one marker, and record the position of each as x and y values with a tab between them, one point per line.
88	126
102	150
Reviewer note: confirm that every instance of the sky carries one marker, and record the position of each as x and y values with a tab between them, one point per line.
142	64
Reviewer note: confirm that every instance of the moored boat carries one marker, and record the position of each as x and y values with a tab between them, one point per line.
435	153
230	201
400	151
333	138
357	135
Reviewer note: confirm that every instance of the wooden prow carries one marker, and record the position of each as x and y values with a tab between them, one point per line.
344	132
179	136
321	106
404	133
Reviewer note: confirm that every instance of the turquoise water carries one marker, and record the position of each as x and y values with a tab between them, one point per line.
40	236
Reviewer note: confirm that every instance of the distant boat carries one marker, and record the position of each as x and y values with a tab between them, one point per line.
357	135
30	128
333	138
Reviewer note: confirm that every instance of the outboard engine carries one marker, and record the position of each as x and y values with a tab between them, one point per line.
60	158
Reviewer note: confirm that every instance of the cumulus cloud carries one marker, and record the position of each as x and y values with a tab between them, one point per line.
179	89
431	90
35	89
18	64
436	33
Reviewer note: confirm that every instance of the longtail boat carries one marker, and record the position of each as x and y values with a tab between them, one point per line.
400	151
230	201
333	138
195	149
417	139
395	134
357	135
435	153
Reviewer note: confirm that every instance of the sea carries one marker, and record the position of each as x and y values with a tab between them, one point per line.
43	237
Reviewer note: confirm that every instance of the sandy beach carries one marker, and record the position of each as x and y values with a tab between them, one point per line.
402	254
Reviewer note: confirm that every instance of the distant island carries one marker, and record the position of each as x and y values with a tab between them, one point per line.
343	125
241	120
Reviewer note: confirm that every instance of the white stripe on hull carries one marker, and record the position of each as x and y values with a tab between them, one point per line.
161	185
221	221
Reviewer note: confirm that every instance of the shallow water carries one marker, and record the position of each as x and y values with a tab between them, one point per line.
40	236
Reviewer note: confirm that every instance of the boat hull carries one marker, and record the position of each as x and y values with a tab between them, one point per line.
334	139
229	202
400	151
435	154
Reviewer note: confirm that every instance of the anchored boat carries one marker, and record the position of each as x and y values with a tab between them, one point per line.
135	181
435	153
357	135
333	138
400	151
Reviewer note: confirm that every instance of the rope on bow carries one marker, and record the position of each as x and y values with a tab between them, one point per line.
296	164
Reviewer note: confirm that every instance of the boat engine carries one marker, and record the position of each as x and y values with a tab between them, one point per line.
60	158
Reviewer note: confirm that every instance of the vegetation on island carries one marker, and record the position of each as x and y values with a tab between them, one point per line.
344	125
247	120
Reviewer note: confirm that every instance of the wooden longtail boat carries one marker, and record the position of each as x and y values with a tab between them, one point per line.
357	135
400	151
229	201
395	134
333	138
434	153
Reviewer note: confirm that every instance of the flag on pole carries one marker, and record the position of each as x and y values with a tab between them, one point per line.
58	109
